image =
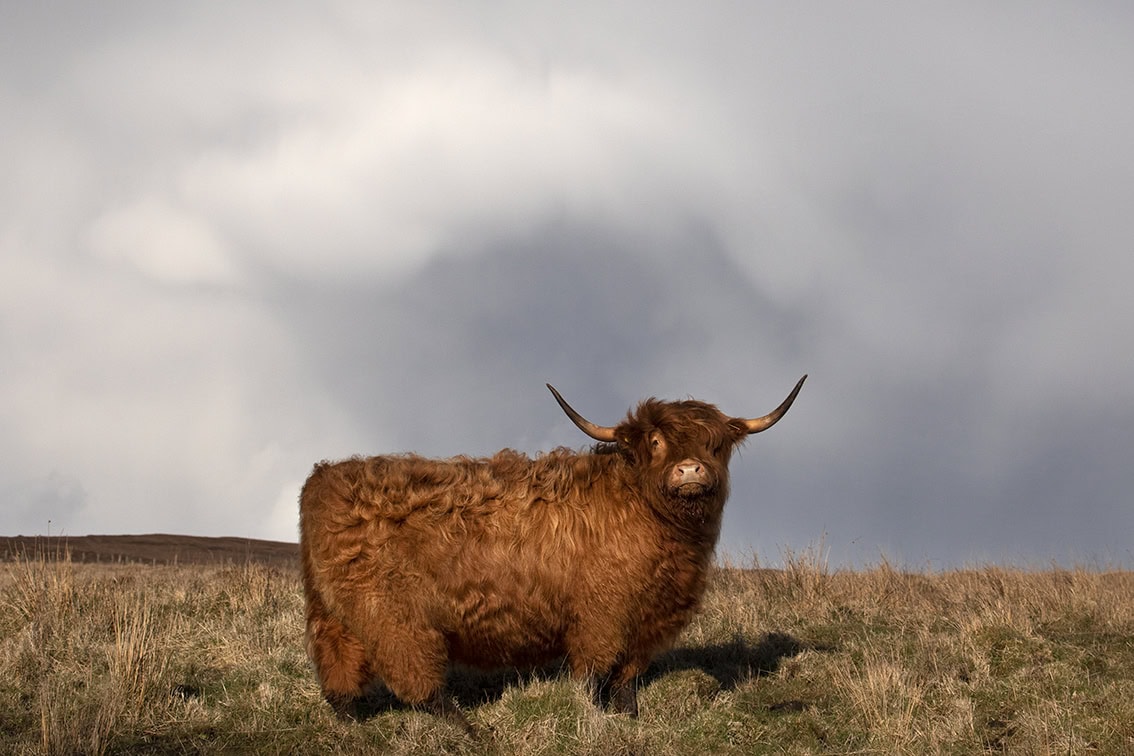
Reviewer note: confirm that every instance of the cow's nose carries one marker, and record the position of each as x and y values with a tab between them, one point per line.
689	469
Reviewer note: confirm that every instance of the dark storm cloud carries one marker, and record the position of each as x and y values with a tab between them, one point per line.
454	358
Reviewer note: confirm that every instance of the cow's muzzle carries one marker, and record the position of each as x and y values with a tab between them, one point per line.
689	478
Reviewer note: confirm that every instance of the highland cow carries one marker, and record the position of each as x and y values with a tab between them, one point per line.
598	557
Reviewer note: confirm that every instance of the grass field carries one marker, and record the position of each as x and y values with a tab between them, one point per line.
121	658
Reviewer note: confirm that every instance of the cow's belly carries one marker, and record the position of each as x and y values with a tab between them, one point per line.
490	629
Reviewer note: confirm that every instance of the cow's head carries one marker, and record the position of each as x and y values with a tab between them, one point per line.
680	451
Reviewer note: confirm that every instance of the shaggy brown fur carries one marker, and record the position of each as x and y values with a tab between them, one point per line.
412	563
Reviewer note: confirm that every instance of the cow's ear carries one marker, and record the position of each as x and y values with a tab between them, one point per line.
628	436
738	429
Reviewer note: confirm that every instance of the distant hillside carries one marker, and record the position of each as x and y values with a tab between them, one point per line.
150	549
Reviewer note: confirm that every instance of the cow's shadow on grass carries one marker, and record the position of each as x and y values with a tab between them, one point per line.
731	664
469	687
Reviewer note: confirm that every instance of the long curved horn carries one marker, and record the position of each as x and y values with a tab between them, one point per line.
757	424
597	432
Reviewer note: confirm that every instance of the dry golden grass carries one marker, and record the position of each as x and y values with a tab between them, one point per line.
209	659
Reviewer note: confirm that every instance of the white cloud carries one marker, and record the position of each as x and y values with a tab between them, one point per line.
168	411
467	143
163	243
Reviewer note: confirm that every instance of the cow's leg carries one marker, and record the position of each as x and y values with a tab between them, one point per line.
616	686
412	663
339	659
622	689
442	706
624	680
609	661
595	663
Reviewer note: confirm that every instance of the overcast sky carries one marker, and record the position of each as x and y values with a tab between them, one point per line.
237	238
